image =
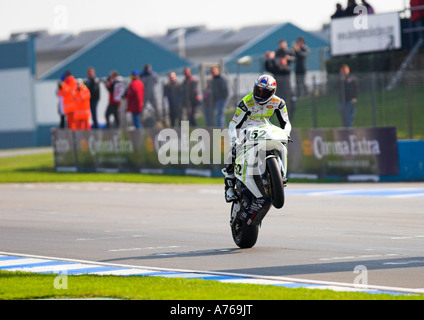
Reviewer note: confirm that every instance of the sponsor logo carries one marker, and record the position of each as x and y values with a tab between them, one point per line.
114	145
62	145
350	147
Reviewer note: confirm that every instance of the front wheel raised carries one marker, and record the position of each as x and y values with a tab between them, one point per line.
277	185
244	235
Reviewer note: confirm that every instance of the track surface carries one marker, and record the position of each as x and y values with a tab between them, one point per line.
325	231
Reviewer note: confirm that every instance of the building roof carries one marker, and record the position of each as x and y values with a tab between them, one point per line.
105	50
196	44
202	45
67	41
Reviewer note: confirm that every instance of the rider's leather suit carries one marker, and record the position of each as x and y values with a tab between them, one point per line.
251	113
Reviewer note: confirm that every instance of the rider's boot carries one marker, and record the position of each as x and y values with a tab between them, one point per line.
230	180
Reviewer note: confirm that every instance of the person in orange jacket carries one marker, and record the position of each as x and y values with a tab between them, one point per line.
82	111
67	91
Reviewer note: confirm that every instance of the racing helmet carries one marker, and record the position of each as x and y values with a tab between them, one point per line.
264	88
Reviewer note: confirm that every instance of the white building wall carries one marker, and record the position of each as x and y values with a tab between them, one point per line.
16	100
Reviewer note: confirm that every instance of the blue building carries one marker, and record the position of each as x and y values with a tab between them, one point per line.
118	49
32	63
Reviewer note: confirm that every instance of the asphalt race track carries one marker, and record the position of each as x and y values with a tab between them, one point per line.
348	233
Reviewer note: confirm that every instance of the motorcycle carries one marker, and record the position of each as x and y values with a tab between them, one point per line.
260	171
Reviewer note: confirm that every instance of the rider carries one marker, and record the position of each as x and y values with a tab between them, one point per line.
255	108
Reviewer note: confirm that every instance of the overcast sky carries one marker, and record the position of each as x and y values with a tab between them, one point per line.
154	17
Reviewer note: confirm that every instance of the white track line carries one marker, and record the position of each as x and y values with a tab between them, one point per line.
237	278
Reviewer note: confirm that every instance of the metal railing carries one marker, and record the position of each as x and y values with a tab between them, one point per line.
401	107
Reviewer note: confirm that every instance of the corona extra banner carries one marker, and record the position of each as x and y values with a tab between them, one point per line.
344	151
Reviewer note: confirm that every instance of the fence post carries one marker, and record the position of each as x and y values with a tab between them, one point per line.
314	102
373	102
411	130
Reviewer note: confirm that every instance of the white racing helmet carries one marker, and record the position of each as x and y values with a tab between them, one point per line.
264	88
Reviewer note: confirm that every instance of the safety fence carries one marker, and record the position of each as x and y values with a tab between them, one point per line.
381	101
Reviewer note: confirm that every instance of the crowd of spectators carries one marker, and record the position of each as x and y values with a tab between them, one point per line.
350	11
279	64
181	99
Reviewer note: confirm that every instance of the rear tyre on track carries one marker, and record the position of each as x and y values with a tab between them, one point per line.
244	235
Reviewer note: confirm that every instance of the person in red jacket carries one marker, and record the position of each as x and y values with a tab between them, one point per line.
135	99
67	91
82	113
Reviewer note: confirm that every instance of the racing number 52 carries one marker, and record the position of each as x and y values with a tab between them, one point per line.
257	134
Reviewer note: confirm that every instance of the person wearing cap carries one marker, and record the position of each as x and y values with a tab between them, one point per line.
135	98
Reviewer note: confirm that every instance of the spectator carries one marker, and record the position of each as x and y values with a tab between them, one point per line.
301	51
82	112
339	12
370	9
219	95
284	51
135	99
150	79
281	70
191	97
172	91
116	89
350	9
92	83
417	16
60	107
67	92
348	95
208	103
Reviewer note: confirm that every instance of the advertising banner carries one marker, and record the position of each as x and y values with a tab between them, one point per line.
198	151
64	150
344	151
173	150
365	33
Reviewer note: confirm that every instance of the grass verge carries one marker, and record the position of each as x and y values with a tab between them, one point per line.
40	168
20	285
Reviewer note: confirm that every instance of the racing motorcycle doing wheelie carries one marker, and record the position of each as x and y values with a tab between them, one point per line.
260	171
